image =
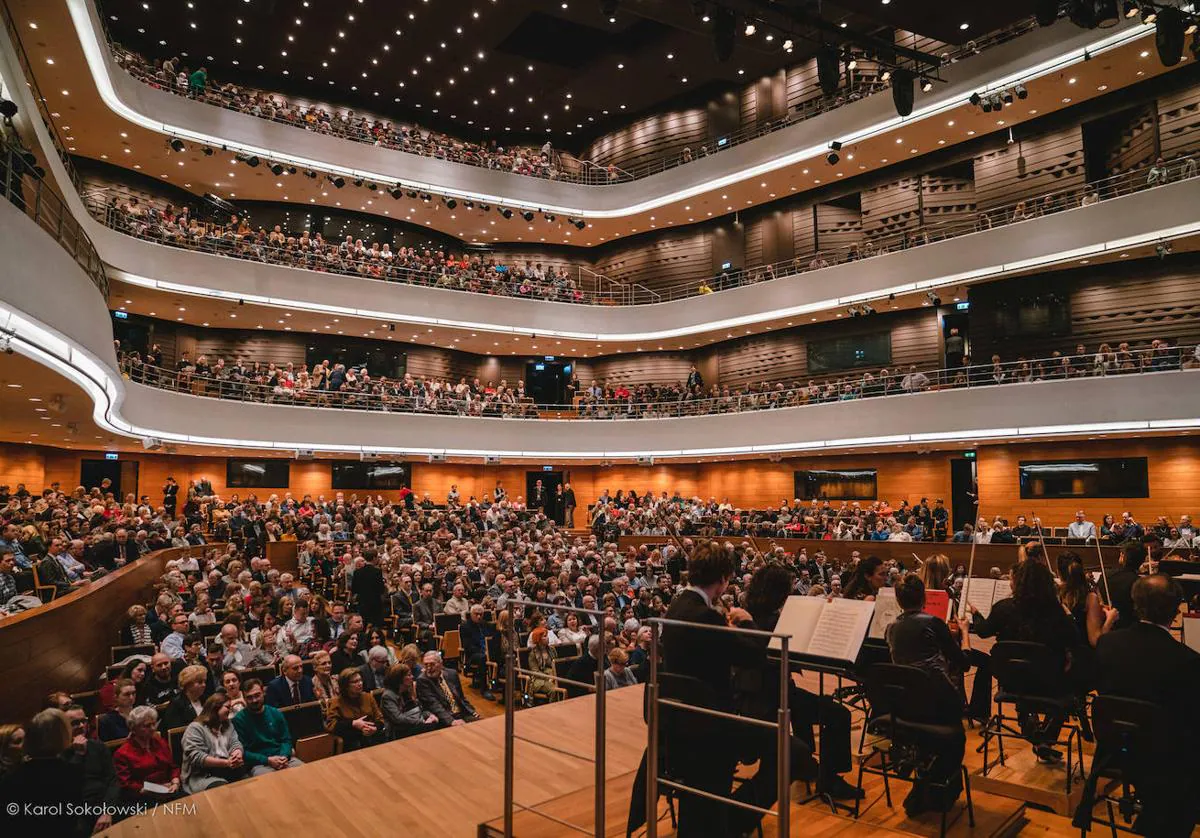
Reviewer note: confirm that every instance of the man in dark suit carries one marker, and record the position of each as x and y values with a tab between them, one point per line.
1147	663
537	501
568	502
292	687
474	633
440	692
113	553
369	587
402	603
100	786
1120	582
374	670
702	749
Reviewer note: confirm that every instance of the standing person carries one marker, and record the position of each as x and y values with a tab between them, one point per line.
955	349
369	587
537	501
555	504
568	505
170	497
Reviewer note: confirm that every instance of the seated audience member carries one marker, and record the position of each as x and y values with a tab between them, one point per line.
474	633
136	671
570	633
541	660
1146	662
325	686
186	706
137	631
345	651
212	753
263	732
440	692
239	655
100	786
162	684
924	641
584	668
292	687
353	714
374	671
1033	614
618	673
231	685
44	778
172	644
145	758
115	723
1122	580
401	710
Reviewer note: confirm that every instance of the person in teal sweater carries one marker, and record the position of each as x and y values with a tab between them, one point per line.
263	732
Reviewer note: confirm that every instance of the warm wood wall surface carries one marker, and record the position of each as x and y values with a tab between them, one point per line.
1053	162
1174	476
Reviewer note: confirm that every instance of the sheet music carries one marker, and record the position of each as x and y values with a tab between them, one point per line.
1003	590
978	592
887	609
937	603
798	620
1191	632
841	629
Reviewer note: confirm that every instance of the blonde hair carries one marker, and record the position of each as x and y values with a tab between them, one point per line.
47	735
191	674
618	656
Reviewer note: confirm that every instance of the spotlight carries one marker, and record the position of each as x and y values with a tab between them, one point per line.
469	204
580	224
396	192
506	213
1022	93
926	84
829	68
750	29
338	181
208	152
902	91
372	186
852	311
1168	36
867	309
548	217
832	158
1007	97
486	207
8	108
892	296
358	181
986	105
310	174
450	203
276	169
934	299
527	215
412	193
252	161
724	24
1163	250
976	99
426	197
177	145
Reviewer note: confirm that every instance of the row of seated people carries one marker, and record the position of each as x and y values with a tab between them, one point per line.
164	223
353	387
174	76
1116	640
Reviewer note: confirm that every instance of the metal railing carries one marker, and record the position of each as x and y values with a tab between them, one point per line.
559	165
23	187
599	687
272	384
219	240
782	727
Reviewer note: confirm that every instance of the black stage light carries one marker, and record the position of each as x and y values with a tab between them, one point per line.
1046	12
580	224
1022	93
277	169
724	32
832	158
309	173
902	91
8	108
396	192
177	145
986	105
506	213
1007	97
291	170
208	152
358	181
527	215
976	99
486	207
338	181
412	193
829	68
450	203
372	186
469	204
426	197
1169	36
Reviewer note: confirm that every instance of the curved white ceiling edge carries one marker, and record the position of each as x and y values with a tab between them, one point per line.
93	46
106	389
944	281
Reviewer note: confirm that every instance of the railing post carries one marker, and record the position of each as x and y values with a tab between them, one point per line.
601	736
509	727
784	742
652	740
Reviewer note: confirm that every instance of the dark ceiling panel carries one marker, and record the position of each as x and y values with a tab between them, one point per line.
943	20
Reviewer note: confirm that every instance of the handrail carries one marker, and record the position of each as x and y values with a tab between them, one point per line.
595	173
23	187
273	387
223	242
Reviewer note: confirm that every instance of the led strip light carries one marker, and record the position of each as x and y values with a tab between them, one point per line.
94	51
106	389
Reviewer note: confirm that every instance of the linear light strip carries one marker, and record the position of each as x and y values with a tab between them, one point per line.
37	342
94	52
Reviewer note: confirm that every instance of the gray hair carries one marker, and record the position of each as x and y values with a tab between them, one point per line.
143	714
594	645
378	653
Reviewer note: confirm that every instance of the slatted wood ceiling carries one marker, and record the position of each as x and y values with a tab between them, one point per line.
1053	162
1178	119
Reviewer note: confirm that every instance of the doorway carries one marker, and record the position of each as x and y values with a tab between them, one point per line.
551	480
122	473
546	380
964	491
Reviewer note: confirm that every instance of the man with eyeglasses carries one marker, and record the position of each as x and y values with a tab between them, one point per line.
100	787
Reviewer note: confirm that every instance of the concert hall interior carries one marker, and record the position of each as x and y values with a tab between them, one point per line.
698	418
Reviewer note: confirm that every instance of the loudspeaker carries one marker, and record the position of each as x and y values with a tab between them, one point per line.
151	444
645	461
491	460
1046	12
1169	35
902	91
829	68
304	453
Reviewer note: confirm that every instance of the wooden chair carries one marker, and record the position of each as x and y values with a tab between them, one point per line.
175	741
89	701
262	673
305	720
40	590
210	630
113	744
445	623
450	645
120	653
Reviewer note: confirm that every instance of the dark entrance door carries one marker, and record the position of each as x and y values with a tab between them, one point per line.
122	473
551	480
546	380
964	492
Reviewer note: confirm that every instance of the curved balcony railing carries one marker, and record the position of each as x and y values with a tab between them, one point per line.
557	165
274	384
591	289
22	185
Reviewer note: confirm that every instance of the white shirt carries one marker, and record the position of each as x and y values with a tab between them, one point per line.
1081	529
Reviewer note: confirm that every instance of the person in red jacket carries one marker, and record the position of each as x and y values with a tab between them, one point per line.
145	758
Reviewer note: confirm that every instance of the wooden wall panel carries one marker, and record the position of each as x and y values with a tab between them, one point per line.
804	234
272	347
755	231
641	368
1053	162
946	200
891	209
25	464
802	85
1178	119
1136	143
650	139
837	227
683	256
